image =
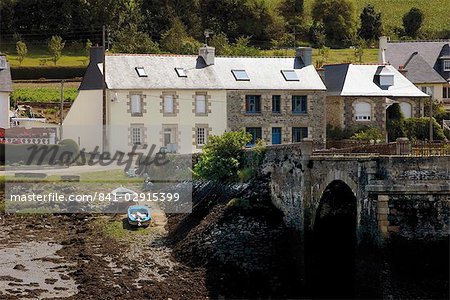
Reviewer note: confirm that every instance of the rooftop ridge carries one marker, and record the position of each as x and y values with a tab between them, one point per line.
419	41
357	64
188	55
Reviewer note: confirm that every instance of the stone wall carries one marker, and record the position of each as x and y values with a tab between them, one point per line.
238	119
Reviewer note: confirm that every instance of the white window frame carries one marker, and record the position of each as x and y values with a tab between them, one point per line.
429	90
169	107
200	98
201	136
141	72
136	136
136	104
446	64
363	116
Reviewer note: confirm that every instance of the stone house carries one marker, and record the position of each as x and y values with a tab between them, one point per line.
361	94
277	100
176	102
5	91
424	63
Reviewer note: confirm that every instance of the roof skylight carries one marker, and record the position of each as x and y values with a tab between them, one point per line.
290	75
180	72
141	72
240	75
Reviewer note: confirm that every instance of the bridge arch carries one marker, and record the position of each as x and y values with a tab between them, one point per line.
331	254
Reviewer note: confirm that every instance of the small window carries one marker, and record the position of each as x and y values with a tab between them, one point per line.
299	105
136	105
363	111
256	133
240	75
200	104
447	65
299	134
276	104
406	109
136	136
180	72
168	104
290	75
252	104
141	72
386	80
201	136
429	90
446	92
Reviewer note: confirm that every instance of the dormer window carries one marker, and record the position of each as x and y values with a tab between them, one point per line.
447	65
240	75
141	72
180	72
386	80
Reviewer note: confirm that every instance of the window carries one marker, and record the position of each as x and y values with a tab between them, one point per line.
136	105
406	109
168	104
386	80
256	133
429	90
299	133
290	75
136	136
446	65
200	104
276	104
446	92
240	75
201	136
299	105
276	135
141	72
363	111
180	72
252	104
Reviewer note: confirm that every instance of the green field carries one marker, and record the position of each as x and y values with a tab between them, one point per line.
437	12
44	92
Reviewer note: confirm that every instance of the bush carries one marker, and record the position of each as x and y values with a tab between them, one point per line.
368	134
337	133
222	156
47	72
412	21
419	129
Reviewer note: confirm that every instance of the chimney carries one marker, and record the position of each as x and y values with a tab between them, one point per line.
96	55
208	54
305	53
382	50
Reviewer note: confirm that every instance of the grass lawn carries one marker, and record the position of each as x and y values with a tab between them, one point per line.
436	12
36	93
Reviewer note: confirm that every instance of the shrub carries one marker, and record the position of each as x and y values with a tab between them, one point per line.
419	129
412	21
222	156
337	133
368	134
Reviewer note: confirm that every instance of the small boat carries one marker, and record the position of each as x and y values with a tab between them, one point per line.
139	215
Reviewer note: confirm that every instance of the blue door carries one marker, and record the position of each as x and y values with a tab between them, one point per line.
276	135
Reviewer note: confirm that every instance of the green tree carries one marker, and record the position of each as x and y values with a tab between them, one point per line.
338	18
222	156
368	134
133	41
395	122
359	49
55	47
177	40
371	24
87	47
22	50
412	22
291	9
419	129
242	48
221	43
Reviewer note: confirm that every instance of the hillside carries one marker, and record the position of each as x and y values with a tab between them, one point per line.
437	12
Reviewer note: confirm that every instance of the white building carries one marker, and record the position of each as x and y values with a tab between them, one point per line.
5	90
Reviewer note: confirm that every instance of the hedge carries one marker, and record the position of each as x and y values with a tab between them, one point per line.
47	72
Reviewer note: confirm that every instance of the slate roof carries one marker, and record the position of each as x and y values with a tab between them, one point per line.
264	73
421	60
360	80
5	79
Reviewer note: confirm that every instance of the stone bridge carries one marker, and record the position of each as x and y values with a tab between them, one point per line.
381	195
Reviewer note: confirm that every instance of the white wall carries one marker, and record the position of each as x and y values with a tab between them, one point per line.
83	123
153	119
4	109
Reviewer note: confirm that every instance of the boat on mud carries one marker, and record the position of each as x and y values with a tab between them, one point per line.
139	215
